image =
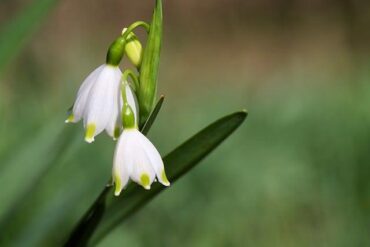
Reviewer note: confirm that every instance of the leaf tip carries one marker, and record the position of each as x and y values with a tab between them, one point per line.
244	113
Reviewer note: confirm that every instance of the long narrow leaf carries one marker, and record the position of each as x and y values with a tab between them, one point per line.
112	210
152	116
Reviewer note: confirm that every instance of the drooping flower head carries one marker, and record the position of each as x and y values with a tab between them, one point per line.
106	101
99	100
135	157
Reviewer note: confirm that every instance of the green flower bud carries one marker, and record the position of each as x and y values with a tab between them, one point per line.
133	49
115	51
150	65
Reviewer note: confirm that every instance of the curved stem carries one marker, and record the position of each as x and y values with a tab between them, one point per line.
127	31
123	91
134	78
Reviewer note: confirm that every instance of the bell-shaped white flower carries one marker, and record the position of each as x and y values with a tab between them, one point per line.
136	158
99	102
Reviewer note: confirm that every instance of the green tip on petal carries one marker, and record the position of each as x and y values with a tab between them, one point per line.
165	179
90	131
117	132
70	119
145	181
118	183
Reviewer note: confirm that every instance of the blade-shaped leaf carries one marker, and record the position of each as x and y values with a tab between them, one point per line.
152	116
111	210
150	64
14	35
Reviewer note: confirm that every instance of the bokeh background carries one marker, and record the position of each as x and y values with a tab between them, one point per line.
296	174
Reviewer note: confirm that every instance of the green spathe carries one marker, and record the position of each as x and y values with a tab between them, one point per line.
150	65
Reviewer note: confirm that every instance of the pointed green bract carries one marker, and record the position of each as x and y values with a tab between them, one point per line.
150	65
177	163
152	116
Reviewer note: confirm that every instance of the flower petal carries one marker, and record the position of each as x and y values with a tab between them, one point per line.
115	123
155	159
82	94
100	101
142	171
122	164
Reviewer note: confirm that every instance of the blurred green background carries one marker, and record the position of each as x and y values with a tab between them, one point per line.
296	174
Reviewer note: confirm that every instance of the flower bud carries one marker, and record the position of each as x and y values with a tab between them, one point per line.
133	49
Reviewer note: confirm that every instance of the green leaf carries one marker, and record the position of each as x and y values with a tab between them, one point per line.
16	32
109	211
150	65
152	116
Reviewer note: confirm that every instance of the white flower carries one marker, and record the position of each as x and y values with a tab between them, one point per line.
137	159
99	102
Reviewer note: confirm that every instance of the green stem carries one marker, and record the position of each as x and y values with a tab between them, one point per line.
126	32
129	73
123	91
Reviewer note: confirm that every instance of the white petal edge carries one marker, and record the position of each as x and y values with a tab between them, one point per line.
83	92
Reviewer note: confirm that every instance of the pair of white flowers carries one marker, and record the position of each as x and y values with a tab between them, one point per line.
100	104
